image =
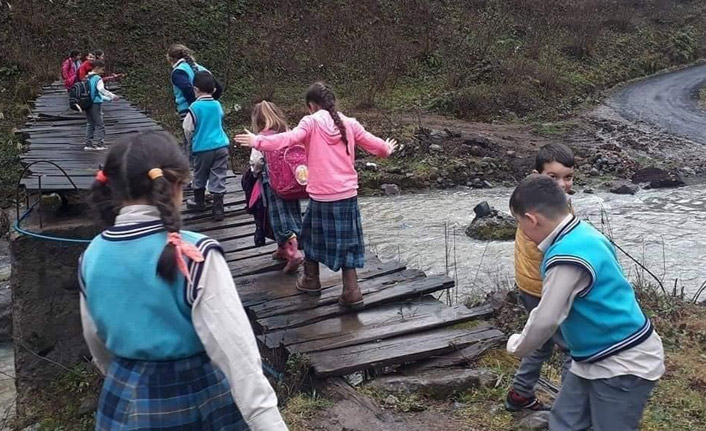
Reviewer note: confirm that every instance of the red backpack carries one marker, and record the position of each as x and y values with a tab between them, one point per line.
288	172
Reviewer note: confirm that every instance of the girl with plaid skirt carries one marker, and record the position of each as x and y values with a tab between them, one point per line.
332	231
284	215
159	309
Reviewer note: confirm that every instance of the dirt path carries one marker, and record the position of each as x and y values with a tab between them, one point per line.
668	101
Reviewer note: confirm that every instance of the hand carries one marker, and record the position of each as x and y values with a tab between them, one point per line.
391	144
116	98
246	139
512	343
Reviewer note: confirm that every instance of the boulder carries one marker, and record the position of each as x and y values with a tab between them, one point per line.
625	189
537	421
657	178
438	384
390	189
436	148
492	225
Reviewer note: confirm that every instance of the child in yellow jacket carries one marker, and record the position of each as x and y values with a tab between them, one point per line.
557	162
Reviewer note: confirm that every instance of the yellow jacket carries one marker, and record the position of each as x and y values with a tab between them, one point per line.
528	260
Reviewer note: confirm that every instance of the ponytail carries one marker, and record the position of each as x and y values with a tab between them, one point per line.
322	95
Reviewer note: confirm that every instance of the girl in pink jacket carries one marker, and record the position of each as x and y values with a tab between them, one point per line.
332	233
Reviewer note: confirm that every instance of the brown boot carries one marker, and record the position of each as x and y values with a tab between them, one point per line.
309	282
351	297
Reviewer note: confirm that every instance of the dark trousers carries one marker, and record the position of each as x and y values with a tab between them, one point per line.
210	168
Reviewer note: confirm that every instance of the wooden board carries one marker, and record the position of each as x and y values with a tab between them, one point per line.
404	349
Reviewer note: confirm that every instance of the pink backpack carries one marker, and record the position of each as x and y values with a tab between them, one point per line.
288	172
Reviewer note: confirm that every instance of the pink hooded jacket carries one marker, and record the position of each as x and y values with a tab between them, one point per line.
332	174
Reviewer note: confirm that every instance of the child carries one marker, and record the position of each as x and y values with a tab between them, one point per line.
557	162
69	68
159	309
203	129
87	66
331	231
94	114
285	215
617	355
184	67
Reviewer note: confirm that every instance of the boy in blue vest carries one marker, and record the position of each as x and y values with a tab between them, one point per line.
203	128
617	355
94	114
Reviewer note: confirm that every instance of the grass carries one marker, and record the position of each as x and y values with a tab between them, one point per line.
300	410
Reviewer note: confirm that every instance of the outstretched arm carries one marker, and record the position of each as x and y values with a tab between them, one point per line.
370	142
277	141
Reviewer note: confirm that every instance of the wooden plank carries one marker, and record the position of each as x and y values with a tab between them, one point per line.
464	356
254	265
349	323
383	294
396	326
329	296
395	351
265	287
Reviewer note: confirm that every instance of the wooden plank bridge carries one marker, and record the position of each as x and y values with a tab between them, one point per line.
401	323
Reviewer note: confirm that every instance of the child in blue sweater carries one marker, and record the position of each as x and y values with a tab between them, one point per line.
617	355
160	312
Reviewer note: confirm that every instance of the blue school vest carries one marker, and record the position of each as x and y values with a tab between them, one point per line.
138	314
179	99
93	87
605	317
208	120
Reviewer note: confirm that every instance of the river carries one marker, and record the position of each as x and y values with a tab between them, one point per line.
663	229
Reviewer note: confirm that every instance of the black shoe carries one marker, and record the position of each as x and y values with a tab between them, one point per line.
198	203
217	209
516	402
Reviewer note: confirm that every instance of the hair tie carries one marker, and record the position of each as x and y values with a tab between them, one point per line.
101	177
155	173
183	249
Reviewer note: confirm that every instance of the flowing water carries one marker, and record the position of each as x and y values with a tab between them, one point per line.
662	229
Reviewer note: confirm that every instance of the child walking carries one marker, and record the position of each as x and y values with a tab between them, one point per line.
285	215
617	355
557	162
94	114
203	129
160	312
331	231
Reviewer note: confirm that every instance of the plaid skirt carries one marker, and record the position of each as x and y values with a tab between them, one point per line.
187	395
285	215
333	234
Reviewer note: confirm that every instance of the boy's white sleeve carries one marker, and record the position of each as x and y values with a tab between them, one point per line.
101	356
560	286
107	95
225	331
257	161
189	126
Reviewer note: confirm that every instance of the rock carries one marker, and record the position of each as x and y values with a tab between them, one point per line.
482	209
476	151
394	170
477	183
588	191
390	189
511	153
487	184
88	406
658	178
35	427
537	421
392	400
409	175
688	171
494	226
371	166
436	148
625	189
594	172
438	384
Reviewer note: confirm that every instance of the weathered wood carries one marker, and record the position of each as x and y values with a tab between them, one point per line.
395	326
379	295
464	356
395	351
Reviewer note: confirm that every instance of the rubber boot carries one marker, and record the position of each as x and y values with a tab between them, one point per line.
309	282
198	203
294	256
351	297
280	253
217	210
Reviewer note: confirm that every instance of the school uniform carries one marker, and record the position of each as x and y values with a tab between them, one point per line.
177	355
617	355
203	127
95	128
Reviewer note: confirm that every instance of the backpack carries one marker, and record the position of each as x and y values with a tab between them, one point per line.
80	96
288	172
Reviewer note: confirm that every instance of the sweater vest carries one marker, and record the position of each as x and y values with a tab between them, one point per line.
605	317
179	98
138	314
96	96
208	125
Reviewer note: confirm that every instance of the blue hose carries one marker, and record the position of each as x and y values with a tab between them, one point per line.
22	231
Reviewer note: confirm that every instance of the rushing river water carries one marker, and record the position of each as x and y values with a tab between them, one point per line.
663	229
